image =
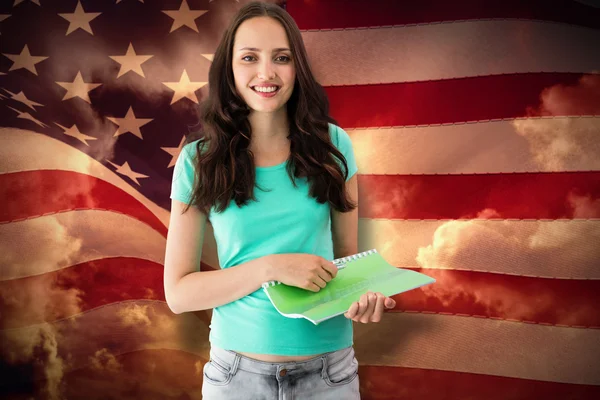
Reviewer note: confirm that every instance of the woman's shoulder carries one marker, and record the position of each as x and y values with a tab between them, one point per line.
191	149
338	135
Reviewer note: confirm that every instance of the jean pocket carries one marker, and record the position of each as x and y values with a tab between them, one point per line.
217	372
342	372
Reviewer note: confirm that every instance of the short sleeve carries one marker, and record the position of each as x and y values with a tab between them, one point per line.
341	140
183	174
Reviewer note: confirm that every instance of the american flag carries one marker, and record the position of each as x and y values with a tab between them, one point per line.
476	127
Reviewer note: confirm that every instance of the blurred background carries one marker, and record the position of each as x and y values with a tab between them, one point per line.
476	127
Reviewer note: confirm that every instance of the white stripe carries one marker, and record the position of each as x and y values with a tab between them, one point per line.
519	145
450	50
118	327
481	346
22	150
565	249
49	243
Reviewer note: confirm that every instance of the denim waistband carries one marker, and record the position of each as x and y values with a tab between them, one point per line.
238	361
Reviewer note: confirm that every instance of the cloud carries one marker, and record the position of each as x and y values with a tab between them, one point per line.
38	349
55	246
103	360
482	246
40	299
584	206
562	143
582	98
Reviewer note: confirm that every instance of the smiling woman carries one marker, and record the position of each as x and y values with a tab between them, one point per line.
276	177
266	71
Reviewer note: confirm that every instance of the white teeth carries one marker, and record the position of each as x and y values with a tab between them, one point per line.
265	89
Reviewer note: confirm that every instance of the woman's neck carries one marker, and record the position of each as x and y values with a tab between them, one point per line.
269	127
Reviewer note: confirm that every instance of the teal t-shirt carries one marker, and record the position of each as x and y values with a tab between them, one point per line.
284	219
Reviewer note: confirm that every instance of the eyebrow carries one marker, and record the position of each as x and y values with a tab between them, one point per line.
258	50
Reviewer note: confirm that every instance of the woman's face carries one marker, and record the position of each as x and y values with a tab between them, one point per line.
262	61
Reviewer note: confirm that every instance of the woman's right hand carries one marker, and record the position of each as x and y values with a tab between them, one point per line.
306	271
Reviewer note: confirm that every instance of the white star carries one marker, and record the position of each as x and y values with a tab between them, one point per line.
78	88
131	62
79	19
74	132
26	115
130	124
24	60
125	169
20	97
174	152
184	16
209	57
184	88
17	2
4	16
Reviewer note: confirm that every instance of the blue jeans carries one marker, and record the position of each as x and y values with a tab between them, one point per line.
230	375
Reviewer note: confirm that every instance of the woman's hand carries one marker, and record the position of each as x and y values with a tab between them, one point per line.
369	308
306	271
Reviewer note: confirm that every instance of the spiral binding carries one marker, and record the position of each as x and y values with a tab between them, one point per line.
339	262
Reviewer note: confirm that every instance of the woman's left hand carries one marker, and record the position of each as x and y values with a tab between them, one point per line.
369	308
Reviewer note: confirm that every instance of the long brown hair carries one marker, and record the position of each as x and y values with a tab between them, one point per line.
224	166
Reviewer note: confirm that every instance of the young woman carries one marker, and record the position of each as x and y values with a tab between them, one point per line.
276	178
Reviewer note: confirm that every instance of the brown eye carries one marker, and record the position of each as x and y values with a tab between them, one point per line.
283	59
245	57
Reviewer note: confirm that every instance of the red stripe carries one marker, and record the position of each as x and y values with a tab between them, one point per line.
100	282
516	195
336	14
398	383
31	194
80	288
567	302
448	101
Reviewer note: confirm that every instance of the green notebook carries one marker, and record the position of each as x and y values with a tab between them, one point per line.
357	274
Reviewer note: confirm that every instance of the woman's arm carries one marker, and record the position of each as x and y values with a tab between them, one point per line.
188	289
344	226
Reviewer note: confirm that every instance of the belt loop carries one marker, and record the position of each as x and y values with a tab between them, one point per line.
236	363
324	369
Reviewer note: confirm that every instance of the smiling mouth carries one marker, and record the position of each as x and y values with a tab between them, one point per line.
269	90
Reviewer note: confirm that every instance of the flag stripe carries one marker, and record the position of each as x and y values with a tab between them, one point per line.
565	302
455	100
407	340
339	14
548	249
34	193
481	346
450	50
513	196
52	242
23	150
96	282
381	382
516	145
100	282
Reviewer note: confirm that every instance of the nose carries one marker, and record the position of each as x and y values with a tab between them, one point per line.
266	70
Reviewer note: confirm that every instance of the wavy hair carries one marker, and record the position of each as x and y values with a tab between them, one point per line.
224	165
